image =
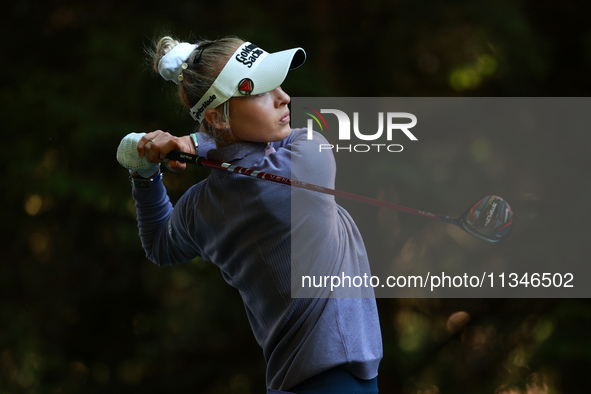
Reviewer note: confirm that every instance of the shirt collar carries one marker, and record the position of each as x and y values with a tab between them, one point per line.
243	153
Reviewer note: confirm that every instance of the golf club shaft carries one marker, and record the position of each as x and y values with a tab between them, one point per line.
198	160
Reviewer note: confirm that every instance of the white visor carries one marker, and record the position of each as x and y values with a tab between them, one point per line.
250	70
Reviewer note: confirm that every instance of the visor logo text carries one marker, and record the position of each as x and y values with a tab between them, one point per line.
249	55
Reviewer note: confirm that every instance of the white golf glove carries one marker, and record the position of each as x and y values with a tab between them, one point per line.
128	157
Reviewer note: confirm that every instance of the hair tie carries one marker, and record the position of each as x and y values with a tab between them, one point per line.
197	57
172	64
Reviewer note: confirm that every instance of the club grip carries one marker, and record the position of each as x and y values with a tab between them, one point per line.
183	157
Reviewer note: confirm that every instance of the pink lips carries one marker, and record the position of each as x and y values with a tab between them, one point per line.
285	118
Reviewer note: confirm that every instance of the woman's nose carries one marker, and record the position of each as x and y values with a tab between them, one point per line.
281	97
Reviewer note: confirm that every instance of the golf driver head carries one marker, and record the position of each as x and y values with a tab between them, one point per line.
490	219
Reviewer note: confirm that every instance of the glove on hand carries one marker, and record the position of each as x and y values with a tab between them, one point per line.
128	157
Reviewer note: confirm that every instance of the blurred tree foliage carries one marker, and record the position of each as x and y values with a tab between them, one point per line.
84	312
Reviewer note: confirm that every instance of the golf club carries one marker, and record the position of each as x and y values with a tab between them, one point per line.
489	219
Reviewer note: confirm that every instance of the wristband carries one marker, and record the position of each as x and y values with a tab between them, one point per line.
144	183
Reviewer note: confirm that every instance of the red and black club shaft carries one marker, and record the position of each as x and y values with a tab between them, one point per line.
198	160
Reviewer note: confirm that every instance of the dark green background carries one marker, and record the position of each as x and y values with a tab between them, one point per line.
84	312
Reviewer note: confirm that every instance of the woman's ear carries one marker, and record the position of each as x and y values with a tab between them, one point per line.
215	119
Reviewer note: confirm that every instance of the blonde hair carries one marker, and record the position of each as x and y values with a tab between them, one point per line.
204	65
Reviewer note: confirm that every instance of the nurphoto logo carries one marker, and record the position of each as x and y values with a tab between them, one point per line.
394	127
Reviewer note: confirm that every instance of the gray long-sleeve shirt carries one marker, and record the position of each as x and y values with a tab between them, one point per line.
254	230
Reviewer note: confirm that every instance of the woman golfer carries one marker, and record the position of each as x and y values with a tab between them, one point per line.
263	236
